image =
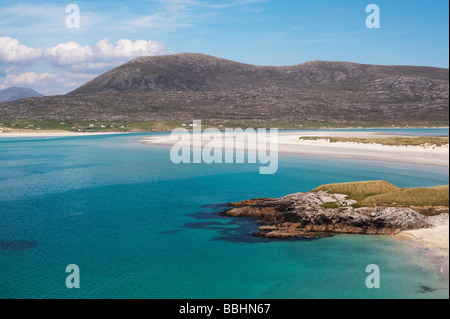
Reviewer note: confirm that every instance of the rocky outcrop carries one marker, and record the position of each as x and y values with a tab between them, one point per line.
319	214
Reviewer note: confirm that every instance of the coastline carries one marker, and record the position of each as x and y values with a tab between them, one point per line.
432	243
289	143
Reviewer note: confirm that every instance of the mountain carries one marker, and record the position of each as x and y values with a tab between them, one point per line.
189	86
16	93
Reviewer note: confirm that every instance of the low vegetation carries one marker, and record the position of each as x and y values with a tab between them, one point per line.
384	193
85	126
149	126
392	141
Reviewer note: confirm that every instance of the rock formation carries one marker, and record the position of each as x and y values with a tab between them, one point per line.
319	214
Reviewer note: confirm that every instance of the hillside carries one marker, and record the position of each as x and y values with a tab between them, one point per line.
182	87
15	93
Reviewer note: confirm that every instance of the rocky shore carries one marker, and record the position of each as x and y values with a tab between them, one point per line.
320	214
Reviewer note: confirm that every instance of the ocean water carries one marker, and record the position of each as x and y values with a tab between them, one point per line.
139	226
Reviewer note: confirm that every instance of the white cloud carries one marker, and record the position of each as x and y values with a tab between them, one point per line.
46	83
11	51
72	53
25	78
69	53
128	49
67	65
94	65
87	57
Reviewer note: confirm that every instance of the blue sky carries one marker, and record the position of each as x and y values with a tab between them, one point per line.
37	50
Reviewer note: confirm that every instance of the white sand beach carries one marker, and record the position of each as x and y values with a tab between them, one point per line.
288	142
434	242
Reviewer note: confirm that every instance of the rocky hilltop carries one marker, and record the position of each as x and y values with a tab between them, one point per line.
189	86
319	214
203	73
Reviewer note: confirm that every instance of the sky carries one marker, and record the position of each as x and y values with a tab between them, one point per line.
42	47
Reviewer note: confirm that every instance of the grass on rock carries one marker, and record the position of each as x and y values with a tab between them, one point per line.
384	193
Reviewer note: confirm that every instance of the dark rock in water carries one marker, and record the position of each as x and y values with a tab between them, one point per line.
425	289
17	245
319	214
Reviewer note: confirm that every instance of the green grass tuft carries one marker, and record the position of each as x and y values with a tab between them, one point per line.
384	193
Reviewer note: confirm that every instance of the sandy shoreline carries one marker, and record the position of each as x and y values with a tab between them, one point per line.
407	154
432	242
289	143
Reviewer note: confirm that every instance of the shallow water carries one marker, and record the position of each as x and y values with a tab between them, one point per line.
139	226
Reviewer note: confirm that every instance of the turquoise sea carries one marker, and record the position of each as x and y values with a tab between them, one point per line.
139	226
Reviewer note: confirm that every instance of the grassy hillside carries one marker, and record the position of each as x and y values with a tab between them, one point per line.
384	193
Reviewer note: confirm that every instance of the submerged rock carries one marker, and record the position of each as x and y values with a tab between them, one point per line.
319	214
